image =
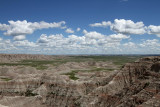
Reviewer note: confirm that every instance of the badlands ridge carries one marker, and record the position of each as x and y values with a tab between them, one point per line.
79	81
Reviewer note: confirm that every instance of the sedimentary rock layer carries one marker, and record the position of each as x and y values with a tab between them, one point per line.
136	84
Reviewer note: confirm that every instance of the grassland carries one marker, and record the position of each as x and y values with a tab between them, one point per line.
116	60
43	64
38	64
72	74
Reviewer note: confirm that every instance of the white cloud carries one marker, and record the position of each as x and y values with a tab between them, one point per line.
150	43
6	45
84	31
102	41
43	39
94	35
112	41
131	48
102	24
78	29
4	27
128	27
24	43
150	46
42	25
90	43
19	29
73	42
75	38
123	26
119	36
154	30
69	30
19	37
130	44
51	40
63	27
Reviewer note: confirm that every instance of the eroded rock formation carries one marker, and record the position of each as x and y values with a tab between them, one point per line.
137	84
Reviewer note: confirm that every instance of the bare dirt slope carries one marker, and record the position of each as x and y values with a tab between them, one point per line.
80	84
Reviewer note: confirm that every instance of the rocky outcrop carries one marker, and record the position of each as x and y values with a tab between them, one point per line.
137	84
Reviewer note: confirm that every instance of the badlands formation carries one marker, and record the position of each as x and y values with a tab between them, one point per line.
79	81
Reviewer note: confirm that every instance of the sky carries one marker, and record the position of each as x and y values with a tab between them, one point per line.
59	27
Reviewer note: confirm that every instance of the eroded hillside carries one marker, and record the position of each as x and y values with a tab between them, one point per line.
79	81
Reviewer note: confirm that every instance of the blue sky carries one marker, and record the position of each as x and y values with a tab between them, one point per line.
80	26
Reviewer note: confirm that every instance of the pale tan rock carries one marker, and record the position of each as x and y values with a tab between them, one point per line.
136	84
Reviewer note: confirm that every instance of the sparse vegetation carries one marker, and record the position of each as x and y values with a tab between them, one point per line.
117	59
29	93
72	75
74	72
42	64
6	79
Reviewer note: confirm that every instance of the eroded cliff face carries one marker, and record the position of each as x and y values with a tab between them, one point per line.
136	84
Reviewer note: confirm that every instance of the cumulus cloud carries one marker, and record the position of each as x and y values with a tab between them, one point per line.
90	43
69	30
85	31
19	37
78	29
128	27
6	45
130	45
150	46
43	39
119	36
154	30
24	43
150	43
102	24
4	27
94	35
88	40
123	26
19	29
